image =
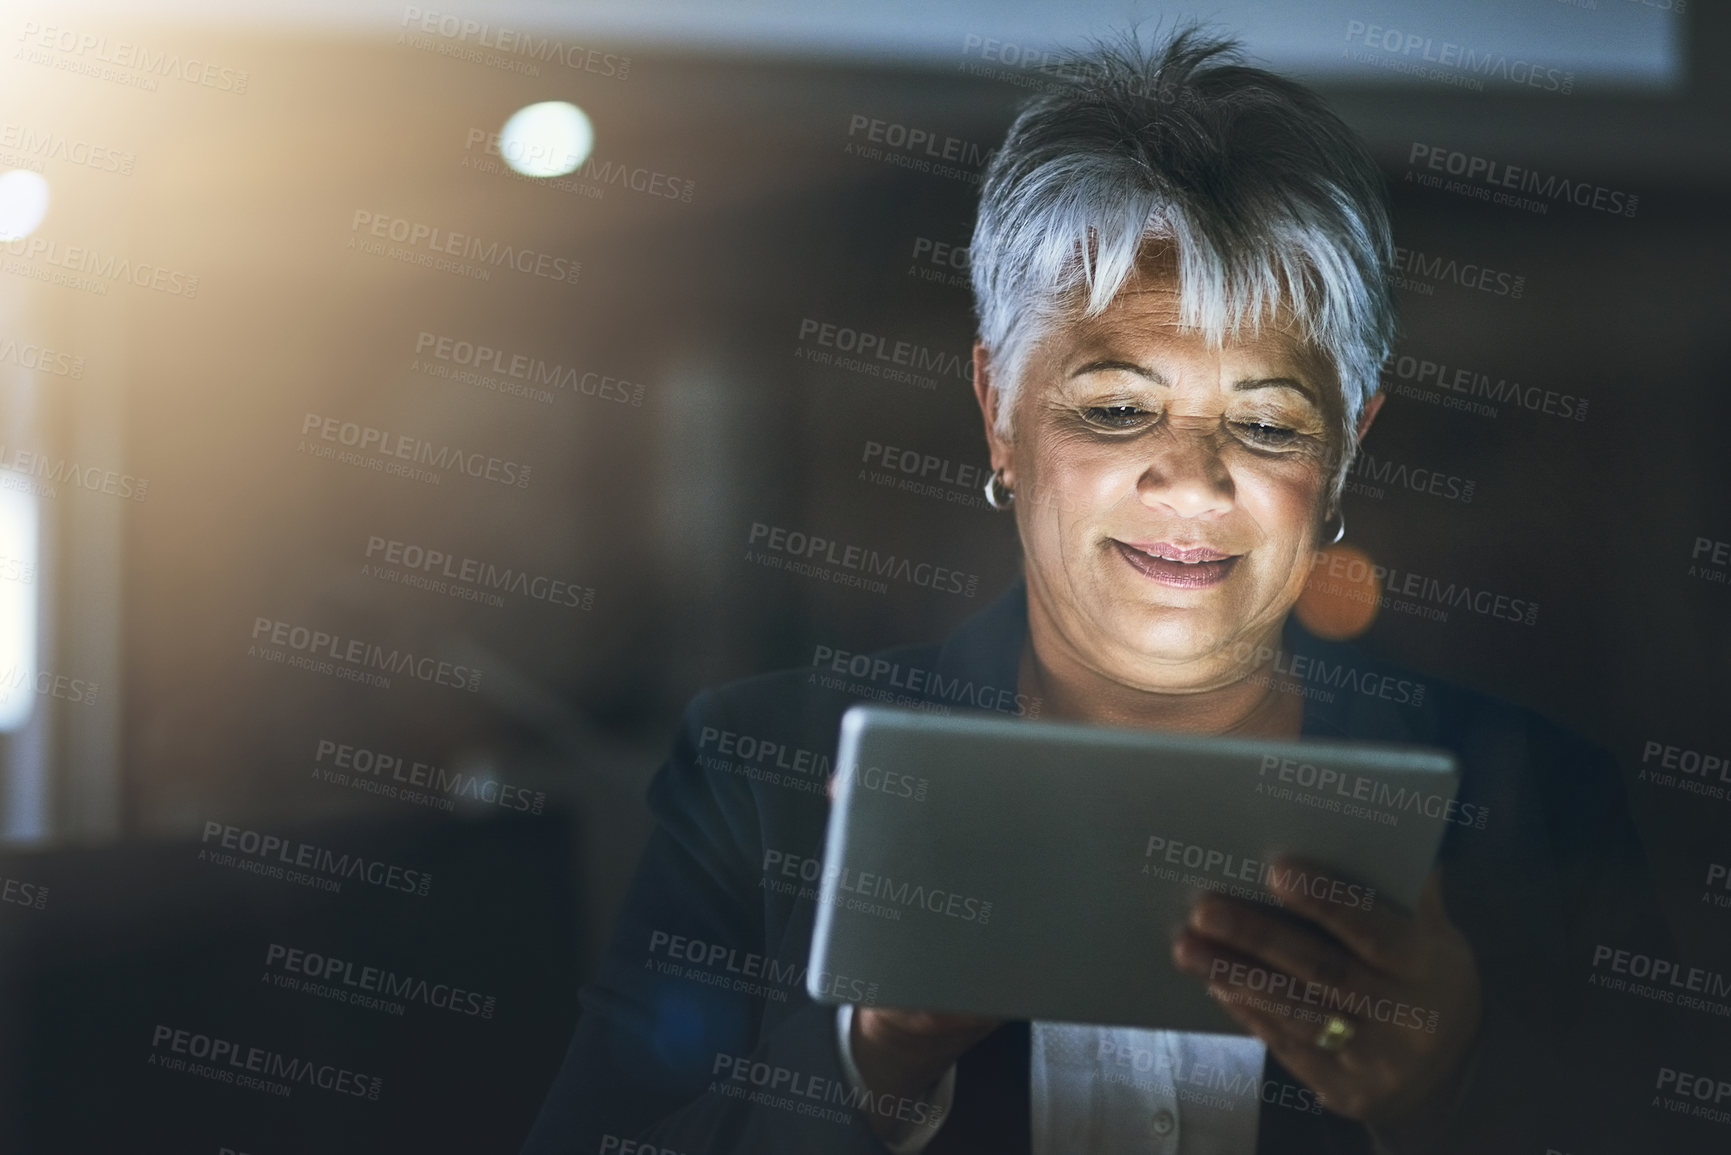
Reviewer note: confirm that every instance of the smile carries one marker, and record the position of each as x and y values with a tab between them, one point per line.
1171	566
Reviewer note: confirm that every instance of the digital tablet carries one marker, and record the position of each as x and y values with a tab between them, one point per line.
1037	870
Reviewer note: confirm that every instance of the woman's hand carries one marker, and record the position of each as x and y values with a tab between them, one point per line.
1406	985
905	1053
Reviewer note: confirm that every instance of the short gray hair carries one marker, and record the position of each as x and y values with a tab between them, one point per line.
1265	196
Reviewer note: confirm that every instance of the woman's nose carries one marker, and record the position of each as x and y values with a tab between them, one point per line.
1185	474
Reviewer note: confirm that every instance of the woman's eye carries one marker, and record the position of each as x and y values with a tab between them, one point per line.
1266	435
1117	416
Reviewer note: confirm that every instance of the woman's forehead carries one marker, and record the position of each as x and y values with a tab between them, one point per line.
1148	317
1142	328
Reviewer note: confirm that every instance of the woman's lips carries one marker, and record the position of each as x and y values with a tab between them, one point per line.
1172	552
1197	568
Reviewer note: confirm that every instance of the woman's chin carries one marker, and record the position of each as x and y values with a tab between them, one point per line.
1150	642
1184	650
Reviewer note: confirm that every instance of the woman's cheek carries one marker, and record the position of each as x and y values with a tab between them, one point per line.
1052	486
1286	496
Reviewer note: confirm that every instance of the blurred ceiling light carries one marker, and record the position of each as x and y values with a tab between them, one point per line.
23	203
547	139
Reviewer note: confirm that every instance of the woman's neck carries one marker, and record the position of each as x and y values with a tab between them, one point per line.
1254	706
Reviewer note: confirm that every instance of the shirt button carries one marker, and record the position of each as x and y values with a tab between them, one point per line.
1163	1122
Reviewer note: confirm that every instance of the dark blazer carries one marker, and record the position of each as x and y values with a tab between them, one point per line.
1554	870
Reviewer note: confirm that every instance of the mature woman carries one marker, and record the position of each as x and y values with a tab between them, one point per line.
1181	268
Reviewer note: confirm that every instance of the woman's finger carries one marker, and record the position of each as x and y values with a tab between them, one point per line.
1278	942
1374	929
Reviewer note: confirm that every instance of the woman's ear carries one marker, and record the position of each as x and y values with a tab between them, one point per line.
986	393
1370	411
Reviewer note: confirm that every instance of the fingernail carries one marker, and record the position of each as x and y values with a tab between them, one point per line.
1210	918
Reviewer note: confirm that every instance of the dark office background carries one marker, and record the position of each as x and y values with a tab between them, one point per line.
703	308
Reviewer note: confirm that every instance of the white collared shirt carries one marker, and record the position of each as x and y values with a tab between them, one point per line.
1119	1089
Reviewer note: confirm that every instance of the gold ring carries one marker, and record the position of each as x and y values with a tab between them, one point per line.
1336	1033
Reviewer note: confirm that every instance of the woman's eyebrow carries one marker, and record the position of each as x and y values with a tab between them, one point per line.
1126	366
1292	383
1106	364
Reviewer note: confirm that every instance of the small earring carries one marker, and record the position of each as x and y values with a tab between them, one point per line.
1339	518
998	495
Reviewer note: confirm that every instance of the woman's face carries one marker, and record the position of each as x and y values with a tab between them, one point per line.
1168	493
